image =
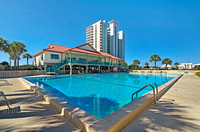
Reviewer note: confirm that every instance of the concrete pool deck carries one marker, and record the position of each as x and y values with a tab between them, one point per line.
178	109
35	114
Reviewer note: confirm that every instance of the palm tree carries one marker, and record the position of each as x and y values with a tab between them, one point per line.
16	49
3	44
13	50
11	58
167	61
147	64
136	63
155	58
22	49
27	56
176	64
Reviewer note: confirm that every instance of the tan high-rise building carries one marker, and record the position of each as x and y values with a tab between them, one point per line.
96	35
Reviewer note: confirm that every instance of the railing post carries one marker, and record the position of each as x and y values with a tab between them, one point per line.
154	93
70	69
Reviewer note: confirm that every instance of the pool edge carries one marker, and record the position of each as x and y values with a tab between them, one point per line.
86	122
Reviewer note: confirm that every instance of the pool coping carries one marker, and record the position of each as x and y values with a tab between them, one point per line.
86	122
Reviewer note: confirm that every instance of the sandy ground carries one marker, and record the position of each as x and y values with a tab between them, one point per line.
178	110
35	114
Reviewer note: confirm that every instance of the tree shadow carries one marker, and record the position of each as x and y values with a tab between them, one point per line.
167	116
35	114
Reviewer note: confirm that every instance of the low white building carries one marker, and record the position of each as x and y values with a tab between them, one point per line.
185	66
164	67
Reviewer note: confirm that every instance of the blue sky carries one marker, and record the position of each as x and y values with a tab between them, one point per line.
170	28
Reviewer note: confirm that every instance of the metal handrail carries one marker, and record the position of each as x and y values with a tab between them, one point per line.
157	96
154	94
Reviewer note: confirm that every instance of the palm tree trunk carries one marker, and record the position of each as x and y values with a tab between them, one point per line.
155	64
15	62
27	61
10	64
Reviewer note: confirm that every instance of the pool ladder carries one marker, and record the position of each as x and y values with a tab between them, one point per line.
155	94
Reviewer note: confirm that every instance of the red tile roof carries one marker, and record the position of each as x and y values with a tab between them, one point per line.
63	49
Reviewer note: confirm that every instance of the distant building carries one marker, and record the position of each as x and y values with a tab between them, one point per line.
108	40
121	41
96	36
105	39
164	67
153	67
113	25
185	66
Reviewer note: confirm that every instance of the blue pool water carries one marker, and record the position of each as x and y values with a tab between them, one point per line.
99	94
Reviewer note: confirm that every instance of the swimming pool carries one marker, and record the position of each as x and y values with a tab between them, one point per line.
99	94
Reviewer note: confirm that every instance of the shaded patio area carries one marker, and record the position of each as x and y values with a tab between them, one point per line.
35	114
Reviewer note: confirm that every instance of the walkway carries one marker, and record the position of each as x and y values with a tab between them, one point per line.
178	110
35	115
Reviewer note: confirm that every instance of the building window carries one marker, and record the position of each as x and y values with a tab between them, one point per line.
41	57
35	60
54	56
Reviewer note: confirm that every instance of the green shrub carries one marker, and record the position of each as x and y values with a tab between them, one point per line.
5	63
30	67
197	67
133	67
198	74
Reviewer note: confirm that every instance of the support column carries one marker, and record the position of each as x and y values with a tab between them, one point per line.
70	64
99	68
45	69
64	69
108	68
86	68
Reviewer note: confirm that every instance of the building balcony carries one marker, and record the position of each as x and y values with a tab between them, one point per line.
105	63
114	64
78	61
93	62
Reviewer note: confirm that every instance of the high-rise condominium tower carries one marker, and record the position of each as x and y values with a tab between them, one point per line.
121	44
108	40
113	25
96	35
105	39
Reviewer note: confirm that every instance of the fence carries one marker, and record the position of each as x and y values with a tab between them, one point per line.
185	72
5	74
